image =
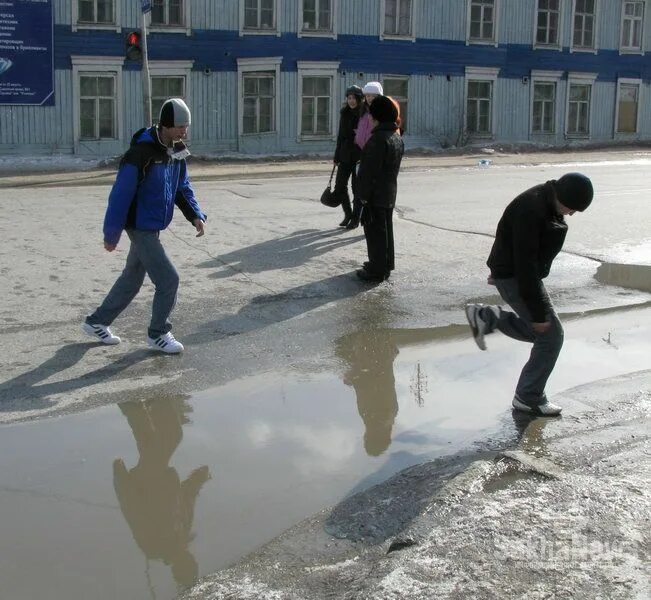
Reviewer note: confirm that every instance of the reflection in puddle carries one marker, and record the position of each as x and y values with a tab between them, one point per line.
636	277
156	504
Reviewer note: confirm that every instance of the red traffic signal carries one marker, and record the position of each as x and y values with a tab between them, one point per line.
134	49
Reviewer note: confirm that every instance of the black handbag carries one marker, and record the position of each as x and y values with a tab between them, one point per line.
329	198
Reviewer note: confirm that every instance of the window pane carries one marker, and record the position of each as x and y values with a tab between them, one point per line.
105	86
158	12
87	119
250	86
86	11
158	87
175	13
627	115
323	115
266	114
307	116
104	11
266	86
323	86
176	87
88	86
249	120
106	119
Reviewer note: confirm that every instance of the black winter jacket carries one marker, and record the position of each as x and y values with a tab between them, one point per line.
377	179
347	150
529	236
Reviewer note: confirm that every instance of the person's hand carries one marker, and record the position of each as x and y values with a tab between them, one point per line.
541	327
109	247
199	226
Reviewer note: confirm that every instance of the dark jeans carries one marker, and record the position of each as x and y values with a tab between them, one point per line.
517	325
378	229
146	256
346	171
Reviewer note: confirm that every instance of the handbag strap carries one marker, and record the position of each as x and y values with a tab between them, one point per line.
332	175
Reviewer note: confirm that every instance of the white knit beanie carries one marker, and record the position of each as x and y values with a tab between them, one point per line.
373	87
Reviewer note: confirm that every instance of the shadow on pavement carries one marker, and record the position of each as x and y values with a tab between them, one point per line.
285	252
267	309
23	393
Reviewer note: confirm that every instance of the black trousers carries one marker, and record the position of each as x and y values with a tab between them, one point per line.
378	229
346	171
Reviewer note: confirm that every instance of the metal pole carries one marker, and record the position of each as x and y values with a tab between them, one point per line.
146	81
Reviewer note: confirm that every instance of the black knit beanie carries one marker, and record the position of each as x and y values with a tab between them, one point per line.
383	110
575	191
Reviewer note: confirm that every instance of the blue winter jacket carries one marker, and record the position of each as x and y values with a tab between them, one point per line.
148	185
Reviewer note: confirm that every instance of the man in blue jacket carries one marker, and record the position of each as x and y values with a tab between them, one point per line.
529	235
151	179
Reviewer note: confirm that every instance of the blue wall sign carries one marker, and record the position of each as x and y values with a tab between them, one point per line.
26	52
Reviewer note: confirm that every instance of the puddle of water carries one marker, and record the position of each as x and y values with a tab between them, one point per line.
137	500
636	277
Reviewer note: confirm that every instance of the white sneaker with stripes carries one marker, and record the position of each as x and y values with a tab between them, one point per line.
165	343
101	333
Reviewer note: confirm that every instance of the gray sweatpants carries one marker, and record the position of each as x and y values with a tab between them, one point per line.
146	256
517	325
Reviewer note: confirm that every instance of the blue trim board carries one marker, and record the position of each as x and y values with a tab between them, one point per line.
219	49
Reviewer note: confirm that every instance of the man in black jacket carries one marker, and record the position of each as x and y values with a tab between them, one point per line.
529	235
377	186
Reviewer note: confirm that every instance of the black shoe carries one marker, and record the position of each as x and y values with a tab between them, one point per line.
365	275
353	223
367	264
345	222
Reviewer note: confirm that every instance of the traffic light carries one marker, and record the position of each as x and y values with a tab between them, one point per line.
134	49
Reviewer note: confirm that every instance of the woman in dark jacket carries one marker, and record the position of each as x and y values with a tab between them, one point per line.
377	187
347	155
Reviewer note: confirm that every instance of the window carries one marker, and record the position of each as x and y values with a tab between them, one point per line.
478	106
627	106
543	114
260	15
548	23
163	88
167	13
97	99
578	114
397	88
316	99
632	26
397	18
317	15
482	22
258	102
583	35
96	11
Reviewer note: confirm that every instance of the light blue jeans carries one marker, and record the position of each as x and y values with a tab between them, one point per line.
146	257
517	325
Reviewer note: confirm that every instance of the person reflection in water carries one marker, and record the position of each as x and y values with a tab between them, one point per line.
156	504
370	373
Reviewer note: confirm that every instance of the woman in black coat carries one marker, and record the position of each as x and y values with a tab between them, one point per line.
377	187
347	155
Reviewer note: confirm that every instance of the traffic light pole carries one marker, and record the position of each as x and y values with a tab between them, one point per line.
146	81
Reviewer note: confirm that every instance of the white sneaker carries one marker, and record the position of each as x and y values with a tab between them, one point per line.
101	333
165	343
542	410
477	326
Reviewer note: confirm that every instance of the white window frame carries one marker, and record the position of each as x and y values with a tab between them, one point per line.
481	74
96	65
172	68
558	45
186	28
275	31
628	81
496	23
595	41
254	65
631	49
392	36
318	69
545	77
115	26
579	79
404	124
332	33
